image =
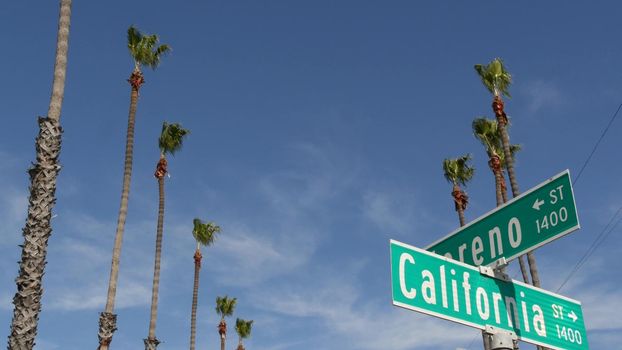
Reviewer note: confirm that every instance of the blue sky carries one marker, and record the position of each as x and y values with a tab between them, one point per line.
318	131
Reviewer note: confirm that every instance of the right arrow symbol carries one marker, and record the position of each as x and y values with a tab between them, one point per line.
536	205
573	316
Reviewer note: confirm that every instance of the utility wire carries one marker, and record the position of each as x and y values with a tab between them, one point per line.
605	232
615	115
597	242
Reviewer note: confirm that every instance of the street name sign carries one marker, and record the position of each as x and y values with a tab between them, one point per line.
446	288
538	216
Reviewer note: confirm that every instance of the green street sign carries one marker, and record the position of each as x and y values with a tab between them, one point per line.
538	216
445	288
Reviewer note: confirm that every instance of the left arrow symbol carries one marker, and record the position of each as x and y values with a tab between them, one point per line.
536	205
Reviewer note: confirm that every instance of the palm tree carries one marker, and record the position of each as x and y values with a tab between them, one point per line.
224	307
459	172
487	132
170	141
204	234
497	80
43	174
146	52
243	328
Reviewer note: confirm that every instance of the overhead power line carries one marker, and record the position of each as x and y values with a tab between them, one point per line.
606	231
615	115
595	244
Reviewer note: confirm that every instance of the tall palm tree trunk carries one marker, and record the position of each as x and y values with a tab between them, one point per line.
495	166
504	188
107	319
459	203
222	331
497	107
195	297
151	343
43	174
461	216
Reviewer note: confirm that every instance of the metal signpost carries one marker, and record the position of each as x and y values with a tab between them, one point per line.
536	217
478	297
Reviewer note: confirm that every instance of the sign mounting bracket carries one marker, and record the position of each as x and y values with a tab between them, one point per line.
501	339
496	270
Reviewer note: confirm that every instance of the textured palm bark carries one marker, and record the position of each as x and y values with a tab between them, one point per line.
222	331
105	335
43	174
461	216
498	108
60	62
107	326
533	269
495	166
151	342
460	202
36	233
504	188
195	298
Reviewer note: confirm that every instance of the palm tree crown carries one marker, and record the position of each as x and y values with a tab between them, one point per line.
171	138
243	328
458	170
488	133
145	49
495	77
205	233
225	306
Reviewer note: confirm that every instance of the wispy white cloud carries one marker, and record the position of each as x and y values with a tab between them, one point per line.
601	305
314	178
299	198
542	94
339	303
390	212
246	257
93	297
81	264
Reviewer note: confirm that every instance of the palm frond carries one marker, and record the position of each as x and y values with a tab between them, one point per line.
488	133
243	327
133	37
171	138
458	170
205	233
144	48
162	49
495	77
225	306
